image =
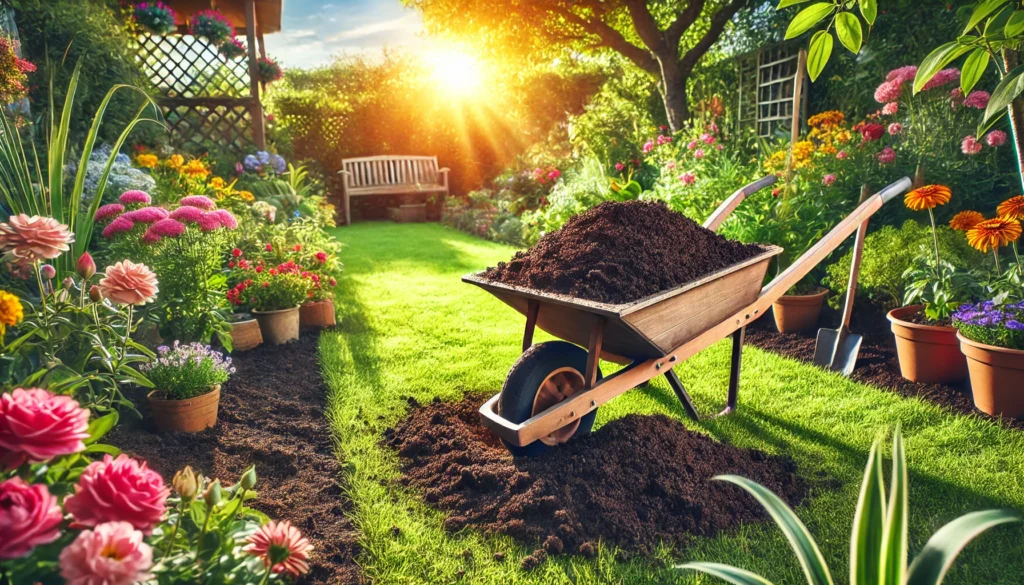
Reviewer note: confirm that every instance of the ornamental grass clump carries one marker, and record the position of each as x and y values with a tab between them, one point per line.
188	370
992	324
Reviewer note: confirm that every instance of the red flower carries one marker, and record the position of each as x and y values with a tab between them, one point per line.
270	248
119	489
321	257
872	131
297	248
259	269
236	252
265	284
231	264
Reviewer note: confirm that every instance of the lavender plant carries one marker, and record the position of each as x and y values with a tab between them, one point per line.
189	370
992	324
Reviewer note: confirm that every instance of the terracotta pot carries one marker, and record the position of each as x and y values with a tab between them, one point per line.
997	377
317	314
798	312
245	335
279	326
188	416
928	354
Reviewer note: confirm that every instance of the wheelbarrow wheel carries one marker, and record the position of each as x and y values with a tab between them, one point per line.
545	375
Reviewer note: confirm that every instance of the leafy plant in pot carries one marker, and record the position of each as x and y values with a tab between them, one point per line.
992	338
274	296
187	378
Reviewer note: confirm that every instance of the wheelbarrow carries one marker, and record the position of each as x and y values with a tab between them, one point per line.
552	392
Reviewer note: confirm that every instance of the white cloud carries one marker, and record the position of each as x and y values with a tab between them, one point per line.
409	23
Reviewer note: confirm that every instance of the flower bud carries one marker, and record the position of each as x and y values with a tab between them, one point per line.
94	294
185	484
248	480
68	282
48	271
85	267
213	494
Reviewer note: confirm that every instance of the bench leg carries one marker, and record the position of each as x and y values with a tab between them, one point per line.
348	213
684	398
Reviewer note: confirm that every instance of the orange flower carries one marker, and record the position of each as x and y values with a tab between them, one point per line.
993	233
927	197
965	220
1012	208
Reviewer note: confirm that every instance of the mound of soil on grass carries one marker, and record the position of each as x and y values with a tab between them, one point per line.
271	414
635	482
622	252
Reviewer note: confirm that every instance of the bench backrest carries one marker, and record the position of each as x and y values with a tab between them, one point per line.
378	171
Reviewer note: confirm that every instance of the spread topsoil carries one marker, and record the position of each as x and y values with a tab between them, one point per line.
637	481
271	414
622	252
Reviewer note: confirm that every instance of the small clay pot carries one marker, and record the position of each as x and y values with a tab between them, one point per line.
997	377
795	313
187	416
317	314
279	326
929	354
245	335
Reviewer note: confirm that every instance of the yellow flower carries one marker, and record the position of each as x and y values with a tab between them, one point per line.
993	233
965	220
246	196
217	183
1012	208
175	161
927	197
11	312
843	136
829	119
194	169
147	161
802	152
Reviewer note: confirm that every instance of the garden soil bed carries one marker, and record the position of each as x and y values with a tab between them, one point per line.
271	414
635	482
622	252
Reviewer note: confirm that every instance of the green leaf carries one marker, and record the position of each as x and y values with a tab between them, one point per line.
1008	89
799	538
973	69
893	565
807	18
942	548
101	426
869	10
818	53
868	523
733	575
101	448
849	32
788	3
982	10
936	60
1015	25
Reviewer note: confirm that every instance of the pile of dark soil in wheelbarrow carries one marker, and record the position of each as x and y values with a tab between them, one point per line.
622	252
637	481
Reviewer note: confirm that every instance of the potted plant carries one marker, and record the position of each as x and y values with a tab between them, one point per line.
799	309
992	338
211	24
274	296
319	310
187	380
245	332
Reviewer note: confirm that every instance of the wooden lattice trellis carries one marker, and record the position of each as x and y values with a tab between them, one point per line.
767	80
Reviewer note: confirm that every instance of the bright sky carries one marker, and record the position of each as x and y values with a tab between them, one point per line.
313	31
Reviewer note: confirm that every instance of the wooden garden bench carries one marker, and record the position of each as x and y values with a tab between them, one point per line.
390	175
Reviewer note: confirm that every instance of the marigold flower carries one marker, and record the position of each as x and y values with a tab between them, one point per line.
927	197
993	233
34	238
147	161
11	311
1012	208
175	161
281	547
965	220
217	183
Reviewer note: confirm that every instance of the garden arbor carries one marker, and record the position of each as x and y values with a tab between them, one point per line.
204	96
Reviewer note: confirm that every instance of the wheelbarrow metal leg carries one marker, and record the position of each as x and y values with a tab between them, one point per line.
734	370
532	308
684	398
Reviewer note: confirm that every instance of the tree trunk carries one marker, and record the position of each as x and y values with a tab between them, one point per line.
1016	113
673	93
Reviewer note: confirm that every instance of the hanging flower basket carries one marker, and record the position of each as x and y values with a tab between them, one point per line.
156	17
269	70
211	25
232	49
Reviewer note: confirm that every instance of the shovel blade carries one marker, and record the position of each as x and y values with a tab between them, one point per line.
845	357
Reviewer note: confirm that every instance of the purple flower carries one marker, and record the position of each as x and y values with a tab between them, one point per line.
251	163
279	165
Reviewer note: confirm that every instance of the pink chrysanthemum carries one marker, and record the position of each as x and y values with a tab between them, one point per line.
970	145
894	128
977	99
902	75
944	77
135	198
118	226
108	211
209	222
828	179
281	547
886	156
995	138
187	214
891	108
146	214
225	218
200	201
888	91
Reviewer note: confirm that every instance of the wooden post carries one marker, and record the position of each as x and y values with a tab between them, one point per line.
256	109
798	92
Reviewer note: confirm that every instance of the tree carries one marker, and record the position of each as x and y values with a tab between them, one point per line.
665	38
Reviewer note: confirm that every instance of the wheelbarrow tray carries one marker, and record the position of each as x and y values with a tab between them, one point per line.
647	328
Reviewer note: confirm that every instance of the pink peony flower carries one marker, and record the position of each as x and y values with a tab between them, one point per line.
118	226
699	153
828	179
718	147
108	211
135	198
902	75
688	178
146	215
895	128
995	138
944	77
713	128
115	490
842	155
891	108
34	238
619	166
648	146
886	156
111	554
970	145
29	517
888	91
281	547
200	201
37	425
977	99
187	214
128	283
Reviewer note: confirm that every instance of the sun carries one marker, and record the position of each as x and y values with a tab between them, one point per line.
455	71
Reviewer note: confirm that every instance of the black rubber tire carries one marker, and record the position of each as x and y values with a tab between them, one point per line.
524	380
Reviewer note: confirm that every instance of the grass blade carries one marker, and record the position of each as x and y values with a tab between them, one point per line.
893	564
733	575
800	539
938	554
868	523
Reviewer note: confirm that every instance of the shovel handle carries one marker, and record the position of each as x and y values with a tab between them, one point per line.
858	254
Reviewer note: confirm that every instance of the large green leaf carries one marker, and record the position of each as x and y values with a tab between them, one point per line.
936	60
733	575
98	427
849	31
818	53
788	3
808	17
942	548
1008	89
981	11
868	523
807	552
973	69
869	10
893	565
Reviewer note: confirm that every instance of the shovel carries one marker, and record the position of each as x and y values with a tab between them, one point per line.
837	349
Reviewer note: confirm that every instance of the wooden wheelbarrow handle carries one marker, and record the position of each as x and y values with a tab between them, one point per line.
733	201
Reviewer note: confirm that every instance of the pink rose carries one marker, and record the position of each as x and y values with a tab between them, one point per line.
36	426
112	554
895	128
699	153
116	490
828	179
886	156
34	238
648	146
995	138
29	517
128	283
970	145
841	155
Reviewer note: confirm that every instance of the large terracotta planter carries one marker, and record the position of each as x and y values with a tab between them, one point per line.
188	416
928	354
317	314
245	335
997	377
795	313
280	326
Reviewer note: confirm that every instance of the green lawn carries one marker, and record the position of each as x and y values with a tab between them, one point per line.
409	327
